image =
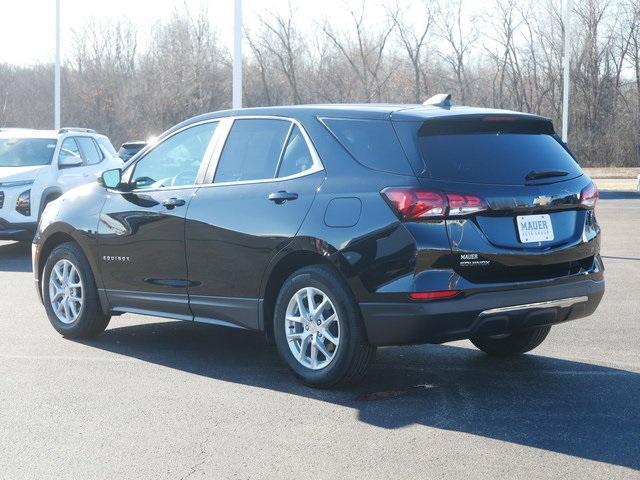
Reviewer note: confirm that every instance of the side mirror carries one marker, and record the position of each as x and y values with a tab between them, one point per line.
111	178
67	161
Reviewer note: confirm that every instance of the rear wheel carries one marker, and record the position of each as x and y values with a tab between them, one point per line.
70	295
318	330
513	343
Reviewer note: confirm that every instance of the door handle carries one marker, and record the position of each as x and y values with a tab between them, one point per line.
171	203
282	196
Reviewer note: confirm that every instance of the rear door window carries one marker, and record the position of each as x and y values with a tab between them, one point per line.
252	150
296	157
69	149
490	152
372	143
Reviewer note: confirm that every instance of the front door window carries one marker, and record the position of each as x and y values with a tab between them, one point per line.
176	161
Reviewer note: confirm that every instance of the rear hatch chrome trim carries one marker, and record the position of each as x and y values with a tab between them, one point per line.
560	303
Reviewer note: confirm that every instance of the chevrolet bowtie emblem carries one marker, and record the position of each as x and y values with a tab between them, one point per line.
542	201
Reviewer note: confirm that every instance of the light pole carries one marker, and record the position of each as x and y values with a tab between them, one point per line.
56	82
237	55
566	58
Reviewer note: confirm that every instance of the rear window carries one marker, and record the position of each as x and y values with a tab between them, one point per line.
130	150
372	143
494	151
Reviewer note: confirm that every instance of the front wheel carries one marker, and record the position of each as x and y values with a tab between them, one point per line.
318	329
513	343
70	295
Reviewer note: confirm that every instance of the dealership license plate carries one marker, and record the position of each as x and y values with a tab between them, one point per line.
534	228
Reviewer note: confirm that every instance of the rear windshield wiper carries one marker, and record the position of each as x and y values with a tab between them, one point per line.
537	174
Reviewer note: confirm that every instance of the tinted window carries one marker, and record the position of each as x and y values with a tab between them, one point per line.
70	149
373	143
501	154
128	150
26	152
92	153
296	157
175	161
252	150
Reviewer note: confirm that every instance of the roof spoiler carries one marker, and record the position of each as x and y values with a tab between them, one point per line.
76	129
439	100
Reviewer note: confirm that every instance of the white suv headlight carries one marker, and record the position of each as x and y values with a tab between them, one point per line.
23	203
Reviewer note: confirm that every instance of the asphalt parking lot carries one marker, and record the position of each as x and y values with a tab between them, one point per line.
154	399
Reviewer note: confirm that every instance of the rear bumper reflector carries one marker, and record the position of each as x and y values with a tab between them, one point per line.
433	295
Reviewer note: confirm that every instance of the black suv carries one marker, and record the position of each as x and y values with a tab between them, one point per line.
334	229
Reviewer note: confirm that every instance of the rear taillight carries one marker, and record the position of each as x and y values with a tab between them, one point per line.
412	204
589	195
460	205
416	204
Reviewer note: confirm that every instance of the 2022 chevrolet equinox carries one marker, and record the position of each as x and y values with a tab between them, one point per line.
334	229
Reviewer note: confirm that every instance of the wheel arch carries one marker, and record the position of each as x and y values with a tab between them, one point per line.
282	267
57	237
52	241
48	194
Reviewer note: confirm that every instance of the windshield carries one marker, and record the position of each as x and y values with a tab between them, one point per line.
26	152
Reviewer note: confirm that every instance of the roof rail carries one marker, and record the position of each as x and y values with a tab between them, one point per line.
76	129
439	100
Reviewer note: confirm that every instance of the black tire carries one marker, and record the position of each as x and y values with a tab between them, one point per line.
512	344
353	354
91	320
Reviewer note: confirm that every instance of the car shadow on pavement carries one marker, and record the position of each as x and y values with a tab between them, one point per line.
15	257
569	407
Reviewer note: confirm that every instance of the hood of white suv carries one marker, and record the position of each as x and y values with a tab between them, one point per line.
19	174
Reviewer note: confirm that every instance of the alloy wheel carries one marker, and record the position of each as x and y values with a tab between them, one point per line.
312	328
65	291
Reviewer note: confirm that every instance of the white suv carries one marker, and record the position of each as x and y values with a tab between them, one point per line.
37	166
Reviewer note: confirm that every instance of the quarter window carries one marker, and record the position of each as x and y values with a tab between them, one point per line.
252	150
372	143
92	153
296	157
174	162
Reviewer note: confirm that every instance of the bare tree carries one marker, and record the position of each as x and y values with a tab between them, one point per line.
280	39
414	40
364	51
632	24
386	52
458	40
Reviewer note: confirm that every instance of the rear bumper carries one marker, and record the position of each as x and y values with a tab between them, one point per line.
17	231
483	313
